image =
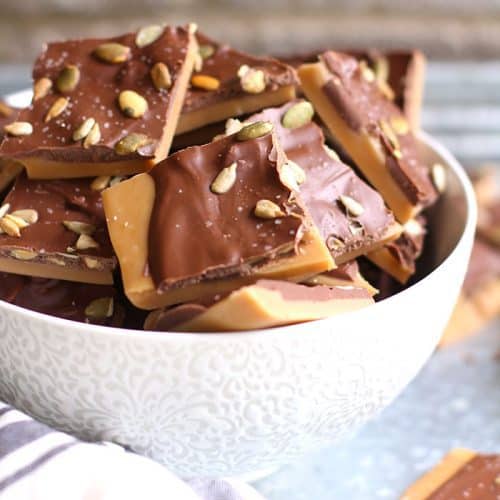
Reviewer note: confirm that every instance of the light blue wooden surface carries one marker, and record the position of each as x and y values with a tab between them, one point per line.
455	401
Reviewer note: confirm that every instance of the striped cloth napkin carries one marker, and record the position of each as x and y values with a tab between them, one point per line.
38	463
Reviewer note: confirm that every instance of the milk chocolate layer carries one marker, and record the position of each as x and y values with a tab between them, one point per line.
196	234
363	107
327	181
223	63
478	479
49	241
62	299
96	96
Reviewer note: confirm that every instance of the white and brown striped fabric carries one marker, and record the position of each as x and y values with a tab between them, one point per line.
38	463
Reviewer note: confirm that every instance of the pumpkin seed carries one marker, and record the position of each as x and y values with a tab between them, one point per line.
147	35
56	261
366	72
23	254
18	129
100	183
252	81
292	175
439	177
391	137
400	125
10	227
41	88
298	115
225	179
116	180
160	75
206	50
331	153
352	206
29	215
92	263
57	108
112	53
68	79
381	69
413	228
100	308
266	209
205	82
233	125
83	130
79	227
131	143
132	104
254	131
93	137
86	242
334	244
4	209
20	223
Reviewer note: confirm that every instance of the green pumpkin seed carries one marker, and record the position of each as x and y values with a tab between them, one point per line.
254	131
298	115
132	104
131	143
112	53
68	79
147	35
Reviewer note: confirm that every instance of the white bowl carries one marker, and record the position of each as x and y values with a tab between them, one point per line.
238	403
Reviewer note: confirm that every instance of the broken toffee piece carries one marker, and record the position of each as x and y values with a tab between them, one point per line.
228	83
399	74
398	258
479	300
55	229
371	129
96	304
211	219
265	304
347	274
351	216
103	107
461	474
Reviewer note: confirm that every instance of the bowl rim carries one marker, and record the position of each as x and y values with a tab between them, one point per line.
469	228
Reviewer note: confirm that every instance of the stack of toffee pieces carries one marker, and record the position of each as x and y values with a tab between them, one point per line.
166	181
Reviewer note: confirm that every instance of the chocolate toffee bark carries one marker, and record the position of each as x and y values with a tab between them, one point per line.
103	107
265	304
347	274
228	83
488	225
461	474
398	258
371	129
479	300
351	216
55	229
96	304
399	74
211	219
9	169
